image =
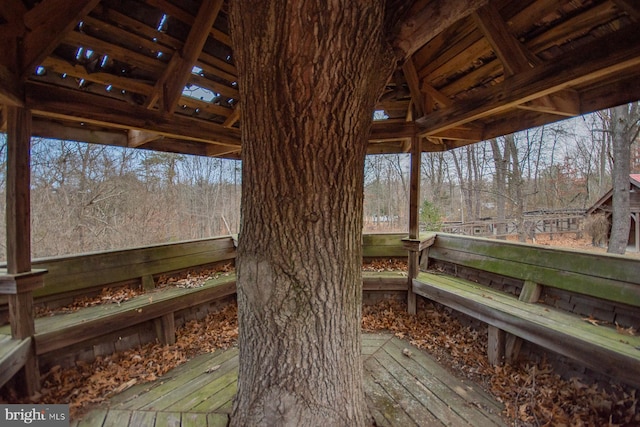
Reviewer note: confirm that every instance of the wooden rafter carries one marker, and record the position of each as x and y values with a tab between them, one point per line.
437	96
614	54
47	24
61	66
169	87
10	88
391	130
85	107
48	129
631	7
137	138
413	81
516	58
424	24
233	118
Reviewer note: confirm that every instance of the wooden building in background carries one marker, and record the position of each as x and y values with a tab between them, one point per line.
605	205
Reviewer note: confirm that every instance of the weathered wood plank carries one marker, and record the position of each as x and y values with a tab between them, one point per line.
193	419
606	266
441	408
221	400
561	278
383	245
145	396
117	418
13	355
384	281
405	411
469	402
382	405
93	418
217	420
137	312
564	334
161	400
90	270
542	313
496	346
142	418
168	419
202	391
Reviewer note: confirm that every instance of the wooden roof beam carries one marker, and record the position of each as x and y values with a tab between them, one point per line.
10	88
422	25
391	130
516	58
71	105
413	81
137	138
614	54
631	7
46	26
169	87
233	118
47	129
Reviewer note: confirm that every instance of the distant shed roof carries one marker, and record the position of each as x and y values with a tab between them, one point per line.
604	201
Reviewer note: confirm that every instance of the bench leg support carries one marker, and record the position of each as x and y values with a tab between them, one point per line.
512	348
147	282
22	326
166	329
496	346
413	273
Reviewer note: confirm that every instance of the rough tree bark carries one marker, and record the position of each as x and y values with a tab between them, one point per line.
309	76
623	127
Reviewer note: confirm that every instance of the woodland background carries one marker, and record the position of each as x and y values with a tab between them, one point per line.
88	197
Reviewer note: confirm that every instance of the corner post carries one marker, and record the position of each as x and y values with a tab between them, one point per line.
414	219
18	218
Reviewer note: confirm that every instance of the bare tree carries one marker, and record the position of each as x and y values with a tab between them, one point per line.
624	125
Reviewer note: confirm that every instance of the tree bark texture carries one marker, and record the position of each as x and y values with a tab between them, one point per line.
621	127
309	75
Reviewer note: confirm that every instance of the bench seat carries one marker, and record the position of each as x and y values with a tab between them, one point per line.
13	353
63	330
599	347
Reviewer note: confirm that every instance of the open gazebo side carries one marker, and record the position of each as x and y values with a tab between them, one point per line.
125	72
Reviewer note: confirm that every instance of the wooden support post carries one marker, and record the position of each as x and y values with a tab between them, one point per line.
414	219
18	223
166	329
530	293
495	347
147	282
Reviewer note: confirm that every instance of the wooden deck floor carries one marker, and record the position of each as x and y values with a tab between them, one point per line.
400	391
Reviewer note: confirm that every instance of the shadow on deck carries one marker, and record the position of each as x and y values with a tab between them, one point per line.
400	390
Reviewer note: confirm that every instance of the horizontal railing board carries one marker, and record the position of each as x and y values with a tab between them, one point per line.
617	267
555	268
91	270
71	274
383	245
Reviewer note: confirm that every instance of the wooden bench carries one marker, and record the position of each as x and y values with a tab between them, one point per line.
550	297
13	354
64	330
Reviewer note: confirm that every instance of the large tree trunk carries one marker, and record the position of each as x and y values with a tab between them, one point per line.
309	78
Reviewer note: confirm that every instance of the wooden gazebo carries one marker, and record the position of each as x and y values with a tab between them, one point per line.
160	75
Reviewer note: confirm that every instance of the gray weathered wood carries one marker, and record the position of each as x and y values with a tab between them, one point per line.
597	347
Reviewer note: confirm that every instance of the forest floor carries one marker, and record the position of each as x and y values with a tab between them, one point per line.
533	394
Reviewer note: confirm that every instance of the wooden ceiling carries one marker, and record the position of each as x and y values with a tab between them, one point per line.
160	75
